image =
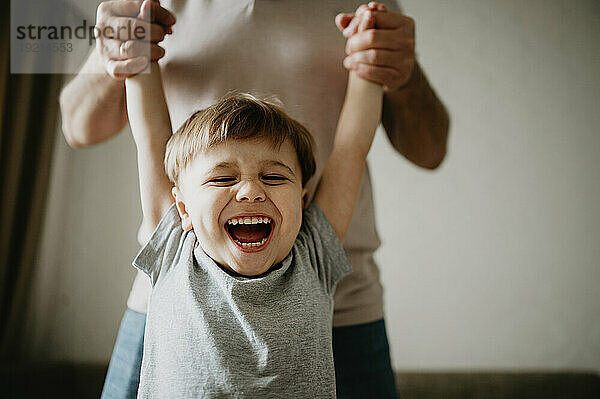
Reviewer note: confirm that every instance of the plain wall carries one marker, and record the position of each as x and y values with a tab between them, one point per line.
491	261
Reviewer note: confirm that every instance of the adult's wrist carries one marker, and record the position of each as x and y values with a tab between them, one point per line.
413	81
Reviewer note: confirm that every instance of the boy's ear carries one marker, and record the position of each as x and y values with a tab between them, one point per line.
186	219
304	198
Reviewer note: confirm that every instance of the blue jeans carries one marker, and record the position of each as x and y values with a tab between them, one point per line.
123	376
361	354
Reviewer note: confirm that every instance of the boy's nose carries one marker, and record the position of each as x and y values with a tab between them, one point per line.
251	192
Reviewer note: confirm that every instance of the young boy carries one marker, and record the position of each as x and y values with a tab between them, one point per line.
243	267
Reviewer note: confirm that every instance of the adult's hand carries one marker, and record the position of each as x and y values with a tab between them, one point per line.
385	54
128	33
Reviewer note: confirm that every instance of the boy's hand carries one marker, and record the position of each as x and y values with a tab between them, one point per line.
128	33
385	52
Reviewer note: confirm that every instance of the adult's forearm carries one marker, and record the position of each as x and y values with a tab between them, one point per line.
416	121
92	105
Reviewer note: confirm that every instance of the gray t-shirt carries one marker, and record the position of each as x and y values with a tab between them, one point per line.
211	334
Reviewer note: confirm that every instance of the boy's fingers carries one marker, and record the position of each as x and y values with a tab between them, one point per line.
127	68
352	27
349	24
361	9
342	20
134	48
376	6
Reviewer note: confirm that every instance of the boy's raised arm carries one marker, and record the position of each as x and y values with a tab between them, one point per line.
340	183
151	128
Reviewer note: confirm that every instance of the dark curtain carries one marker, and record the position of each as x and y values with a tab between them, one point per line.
28	116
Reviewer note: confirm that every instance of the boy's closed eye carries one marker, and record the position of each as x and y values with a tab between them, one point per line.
223	181
269	179
274	179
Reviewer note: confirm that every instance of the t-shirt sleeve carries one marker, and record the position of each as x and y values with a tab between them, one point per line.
162	250
318	242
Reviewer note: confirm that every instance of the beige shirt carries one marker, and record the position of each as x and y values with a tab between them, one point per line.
293	51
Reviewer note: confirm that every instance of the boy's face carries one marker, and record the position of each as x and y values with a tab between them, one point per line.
248	181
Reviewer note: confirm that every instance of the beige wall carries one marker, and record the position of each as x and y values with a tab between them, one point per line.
492	261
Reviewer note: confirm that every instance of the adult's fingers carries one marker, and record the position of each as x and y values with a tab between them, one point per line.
109	48
367	21
126	68
377	38
388	77
121	8
126	20
116	50
394	20
378	57
127	28
134	49
146	10
161	15
131	8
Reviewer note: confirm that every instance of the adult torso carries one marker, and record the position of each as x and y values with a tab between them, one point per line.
293	51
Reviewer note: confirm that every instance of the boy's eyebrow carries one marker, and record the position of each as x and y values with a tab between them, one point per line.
278	163
221	165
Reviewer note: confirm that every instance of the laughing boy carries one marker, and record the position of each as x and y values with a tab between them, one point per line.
243	265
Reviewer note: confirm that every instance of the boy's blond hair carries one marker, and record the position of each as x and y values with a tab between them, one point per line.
237	117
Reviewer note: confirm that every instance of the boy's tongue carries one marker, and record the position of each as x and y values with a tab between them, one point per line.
249	232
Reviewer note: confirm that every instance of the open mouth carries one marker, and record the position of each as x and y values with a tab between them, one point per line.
250	233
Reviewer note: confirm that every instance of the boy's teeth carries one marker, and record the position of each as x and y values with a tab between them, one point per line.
252	244
249	220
